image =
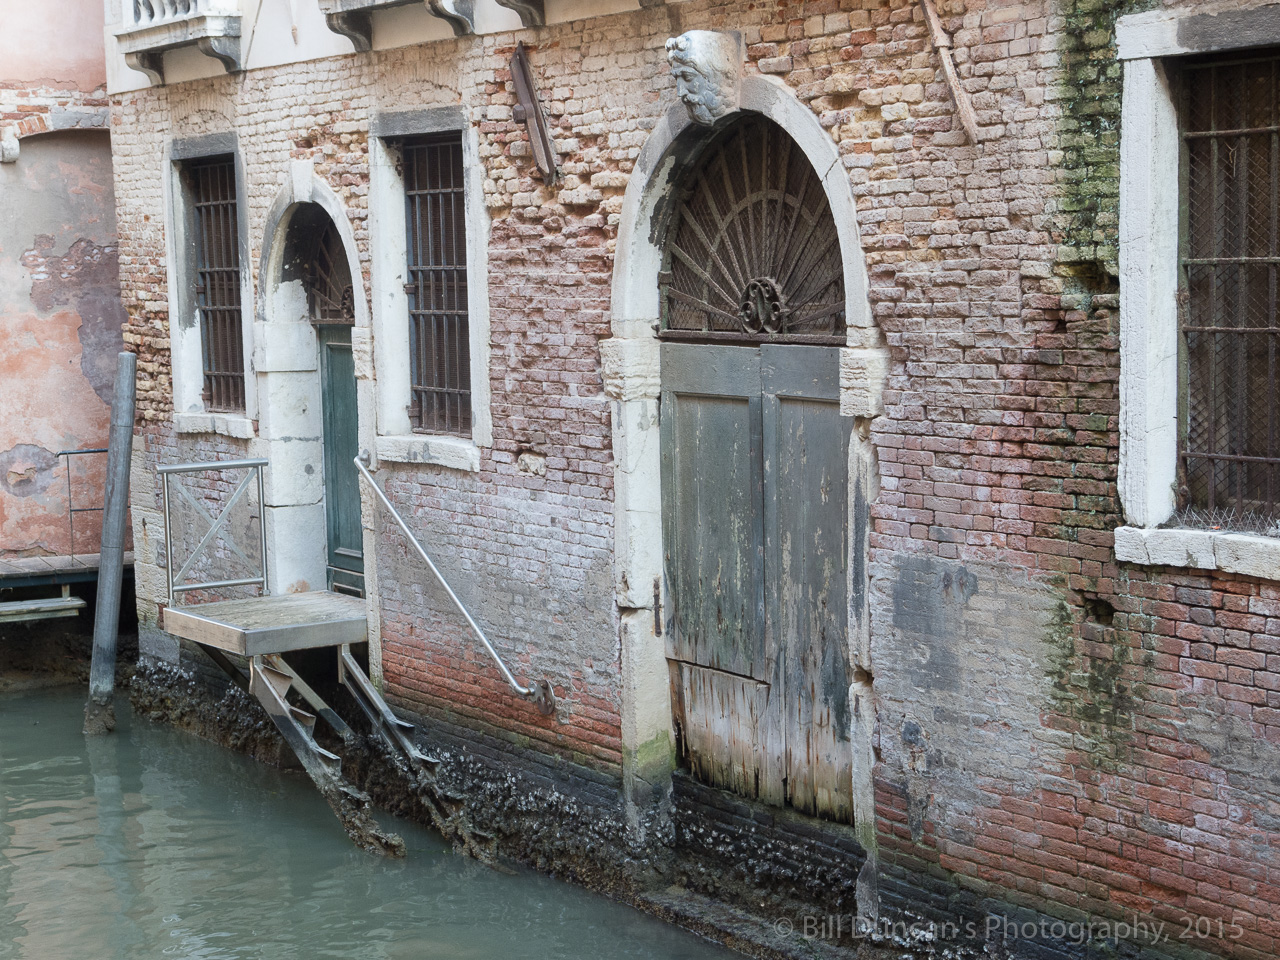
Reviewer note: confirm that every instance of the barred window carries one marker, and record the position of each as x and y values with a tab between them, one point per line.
1230	416
439	335
212	184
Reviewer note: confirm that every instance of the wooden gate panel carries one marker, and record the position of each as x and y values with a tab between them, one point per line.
806	511
712	483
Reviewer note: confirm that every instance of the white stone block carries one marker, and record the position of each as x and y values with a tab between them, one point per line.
1181	548
296	473
362	352
456	453
1131	545
296	548
631	368
283	347
862	376
291	406
1251	555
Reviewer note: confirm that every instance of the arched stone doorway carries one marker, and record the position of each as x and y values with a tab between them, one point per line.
755	474
315	255
637	374
309	313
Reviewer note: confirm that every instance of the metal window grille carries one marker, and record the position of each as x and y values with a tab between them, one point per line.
1230	413
213	188
439	334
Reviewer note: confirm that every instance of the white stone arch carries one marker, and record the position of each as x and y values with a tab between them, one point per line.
632	377
304	186
661	160
286	360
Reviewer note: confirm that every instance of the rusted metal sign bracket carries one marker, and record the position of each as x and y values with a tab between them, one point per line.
528	110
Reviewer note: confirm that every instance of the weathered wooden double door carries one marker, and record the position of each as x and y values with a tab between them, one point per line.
755	473
755	499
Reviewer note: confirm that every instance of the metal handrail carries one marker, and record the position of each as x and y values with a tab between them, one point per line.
72	510
172	469
540	691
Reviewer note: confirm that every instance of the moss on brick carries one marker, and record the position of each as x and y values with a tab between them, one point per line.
1089	133
1090	689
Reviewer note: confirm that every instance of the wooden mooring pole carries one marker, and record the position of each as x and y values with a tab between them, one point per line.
99	711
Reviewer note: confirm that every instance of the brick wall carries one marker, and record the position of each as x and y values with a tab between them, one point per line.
1058	733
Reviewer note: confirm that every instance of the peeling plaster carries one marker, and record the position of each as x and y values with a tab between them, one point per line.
86	278
26	470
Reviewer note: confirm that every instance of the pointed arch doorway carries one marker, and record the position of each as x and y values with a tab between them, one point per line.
330	301
754	467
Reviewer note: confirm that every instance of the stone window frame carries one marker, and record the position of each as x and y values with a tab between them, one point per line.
395	441
1150	158
186	353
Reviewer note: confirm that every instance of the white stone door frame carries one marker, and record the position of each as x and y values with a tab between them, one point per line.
632	378
286	361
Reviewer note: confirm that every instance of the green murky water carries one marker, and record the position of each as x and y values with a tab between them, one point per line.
151	843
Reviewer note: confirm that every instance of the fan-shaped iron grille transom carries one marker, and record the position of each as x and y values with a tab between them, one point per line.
752	254
329	284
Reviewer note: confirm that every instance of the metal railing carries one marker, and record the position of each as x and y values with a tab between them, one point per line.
72	510
215	524
540	691
148	13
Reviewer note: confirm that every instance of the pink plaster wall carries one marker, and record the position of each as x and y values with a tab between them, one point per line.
56	41
60	330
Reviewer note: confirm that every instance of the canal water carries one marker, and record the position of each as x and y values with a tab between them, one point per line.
151	843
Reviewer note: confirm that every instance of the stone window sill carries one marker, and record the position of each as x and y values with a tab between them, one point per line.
227	424
1243	553
457	453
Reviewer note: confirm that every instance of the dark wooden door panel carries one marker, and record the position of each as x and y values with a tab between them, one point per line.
341	445
714	535
807	542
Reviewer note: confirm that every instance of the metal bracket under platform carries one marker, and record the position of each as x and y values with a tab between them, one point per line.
446	808
266	625
270	680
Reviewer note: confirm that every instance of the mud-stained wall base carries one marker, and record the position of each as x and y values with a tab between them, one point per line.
765	881
720	868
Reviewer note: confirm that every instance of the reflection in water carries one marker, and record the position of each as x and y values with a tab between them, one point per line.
151	843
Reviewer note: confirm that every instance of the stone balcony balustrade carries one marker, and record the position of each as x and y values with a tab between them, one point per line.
153	27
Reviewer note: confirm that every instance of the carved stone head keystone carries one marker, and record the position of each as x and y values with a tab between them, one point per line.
707	65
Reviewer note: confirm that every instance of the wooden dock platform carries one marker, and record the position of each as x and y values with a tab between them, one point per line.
274	624
43	571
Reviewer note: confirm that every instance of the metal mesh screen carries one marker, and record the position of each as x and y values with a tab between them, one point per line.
752	253
439	335
1231	252
213	186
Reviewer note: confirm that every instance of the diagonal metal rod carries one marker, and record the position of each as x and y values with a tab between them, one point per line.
539	692
216	525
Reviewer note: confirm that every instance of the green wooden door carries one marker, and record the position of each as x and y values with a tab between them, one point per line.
341	446
755	526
